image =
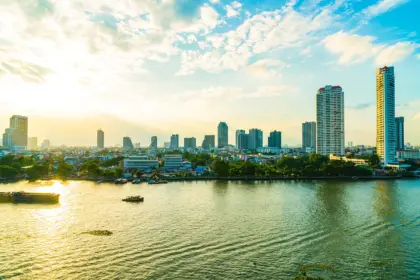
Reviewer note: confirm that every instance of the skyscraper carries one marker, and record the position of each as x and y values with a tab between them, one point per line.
46	144
127	143
16	136
274	140
309	136
386	134
100	139
154	142
399	126
222	135
174	141
190	143
330	120
32	143
255	139
208	142
237	134
243	141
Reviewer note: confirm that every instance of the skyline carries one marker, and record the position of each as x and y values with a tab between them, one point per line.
250	64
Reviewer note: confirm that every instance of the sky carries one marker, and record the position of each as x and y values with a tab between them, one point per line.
140	68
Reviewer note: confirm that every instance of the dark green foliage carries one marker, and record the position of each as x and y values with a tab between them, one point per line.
64	170
8	171
37	171
221	168
112	162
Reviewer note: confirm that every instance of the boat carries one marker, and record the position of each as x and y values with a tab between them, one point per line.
136	181
99	182
156	182
134	199
29	197
121	181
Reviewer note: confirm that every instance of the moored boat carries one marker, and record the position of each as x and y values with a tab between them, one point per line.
121	181
156	182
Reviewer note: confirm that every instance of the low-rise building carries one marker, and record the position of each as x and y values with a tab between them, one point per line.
408	155
140	163
356	161
173	162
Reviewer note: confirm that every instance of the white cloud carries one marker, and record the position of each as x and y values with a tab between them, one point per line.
266	68
236	5
231	12
353	48
215	1
395	53
383	6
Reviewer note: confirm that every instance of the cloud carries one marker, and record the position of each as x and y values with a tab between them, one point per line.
353	48
266	68
234	9
418	56
395	53
29	72
383	6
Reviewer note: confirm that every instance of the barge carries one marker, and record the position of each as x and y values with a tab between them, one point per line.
29	197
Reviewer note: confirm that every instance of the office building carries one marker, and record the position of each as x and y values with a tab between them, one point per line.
330	120
127	143
173	162
274	140
408	155
309	137
32	143
143	163
174	141
100	139
255	139
399	126
386	134
154	142
237	134
15	137
222	135
190	143
166	145
209	142
243	141
45	144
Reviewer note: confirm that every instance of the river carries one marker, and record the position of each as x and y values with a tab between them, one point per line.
214	230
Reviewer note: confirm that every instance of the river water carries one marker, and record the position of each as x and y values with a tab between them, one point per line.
214	230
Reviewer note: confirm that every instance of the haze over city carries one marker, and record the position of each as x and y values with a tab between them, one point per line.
143	68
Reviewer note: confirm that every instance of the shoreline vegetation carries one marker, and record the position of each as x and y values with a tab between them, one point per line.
15	168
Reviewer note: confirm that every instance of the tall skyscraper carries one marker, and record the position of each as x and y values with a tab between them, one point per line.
154	142
16	136
190	143
274	140
255	139
399	126
32	143
237	134
209	142
127	143
243	141
100	139
174	141
222	135
330	120
309	136
386	133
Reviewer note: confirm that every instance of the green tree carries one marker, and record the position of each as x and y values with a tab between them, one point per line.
119	172
8	171
37	171
374	161
112	162
64	170
221	168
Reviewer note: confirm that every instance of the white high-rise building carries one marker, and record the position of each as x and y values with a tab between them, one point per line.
386	133
330	120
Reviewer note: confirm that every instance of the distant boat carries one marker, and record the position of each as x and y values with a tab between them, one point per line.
99	182
134	199
136	181
121	181
156	182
